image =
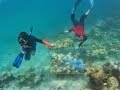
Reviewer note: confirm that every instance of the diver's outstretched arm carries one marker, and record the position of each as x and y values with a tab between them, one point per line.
47	43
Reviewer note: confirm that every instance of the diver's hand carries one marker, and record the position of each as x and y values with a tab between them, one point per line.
76	47
47	43
66	31
52	45
23	52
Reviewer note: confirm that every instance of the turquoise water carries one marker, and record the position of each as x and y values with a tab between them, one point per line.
49	18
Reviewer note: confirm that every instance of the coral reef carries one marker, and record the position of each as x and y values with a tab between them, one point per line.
103	44
112	69
60	64
97	51
107	68
96	77
105	78
105	39
63	43
113	83
29	78
6	78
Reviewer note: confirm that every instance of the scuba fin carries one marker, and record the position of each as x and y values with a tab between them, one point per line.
18	60
77	3
91	3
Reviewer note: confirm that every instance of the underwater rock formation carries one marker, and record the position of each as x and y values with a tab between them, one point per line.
116	70
63	43
97	51
105	78
105	39
103	44
112	69
107	68
5	79
60	64
96	77
113	83
28	79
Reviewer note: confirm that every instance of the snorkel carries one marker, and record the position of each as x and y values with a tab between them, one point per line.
23	36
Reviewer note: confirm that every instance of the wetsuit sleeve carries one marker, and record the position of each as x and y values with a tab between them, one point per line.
74	21
43	42
38	40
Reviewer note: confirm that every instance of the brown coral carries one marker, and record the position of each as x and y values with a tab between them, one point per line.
107	67
96	77
113	83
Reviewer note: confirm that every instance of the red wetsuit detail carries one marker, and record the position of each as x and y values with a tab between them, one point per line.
79	30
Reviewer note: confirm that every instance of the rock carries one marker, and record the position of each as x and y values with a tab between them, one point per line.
113	83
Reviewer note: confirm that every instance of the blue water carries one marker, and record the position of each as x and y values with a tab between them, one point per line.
49	17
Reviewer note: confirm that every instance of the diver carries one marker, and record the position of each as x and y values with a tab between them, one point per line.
79	25
28	44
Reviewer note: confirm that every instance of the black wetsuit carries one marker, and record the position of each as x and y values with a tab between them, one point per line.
31	46
80	22
30	40
79	27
